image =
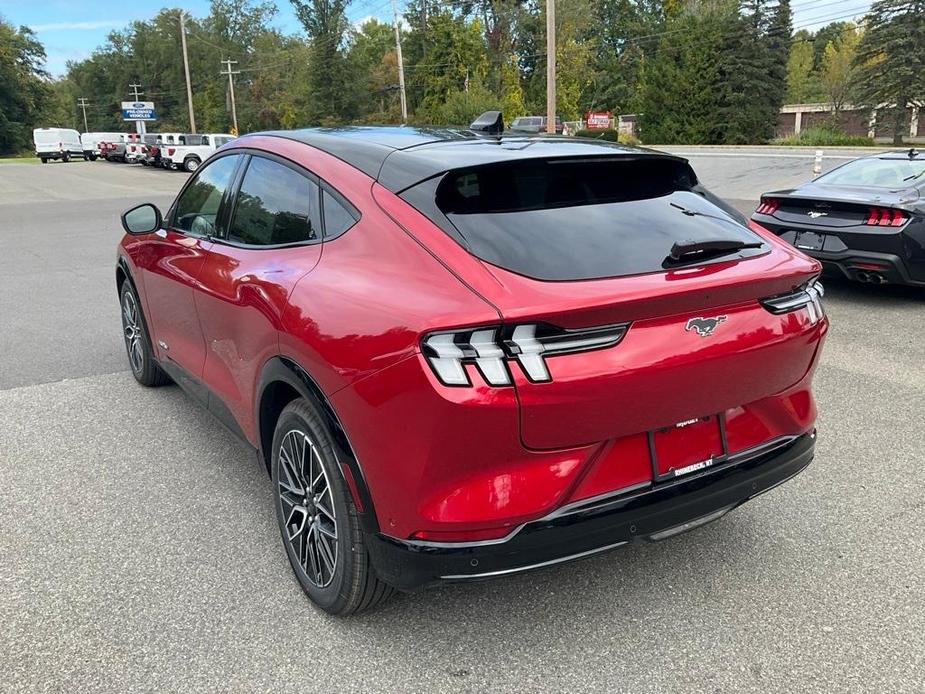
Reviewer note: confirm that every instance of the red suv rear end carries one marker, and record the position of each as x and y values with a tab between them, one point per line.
464	357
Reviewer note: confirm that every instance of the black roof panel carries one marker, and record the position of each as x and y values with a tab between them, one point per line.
401	156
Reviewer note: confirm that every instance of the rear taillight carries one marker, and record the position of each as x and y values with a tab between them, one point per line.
809	296
885	217
768	206
170	151
491	349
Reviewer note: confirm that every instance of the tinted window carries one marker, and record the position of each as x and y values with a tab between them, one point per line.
880	173
572	219
275	205
337	217
219	141
197	208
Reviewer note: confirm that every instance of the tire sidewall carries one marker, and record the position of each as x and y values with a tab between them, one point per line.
191	165
303	416
147	374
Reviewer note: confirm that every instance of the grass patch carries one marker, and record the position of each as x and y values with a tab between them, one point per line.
608	135
19	159
822	136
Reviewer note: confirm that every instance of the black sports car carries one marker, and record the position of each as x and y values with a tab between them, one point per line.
864	219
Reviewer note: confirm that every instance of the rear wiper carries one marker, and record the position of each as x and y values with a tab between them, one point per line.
690	250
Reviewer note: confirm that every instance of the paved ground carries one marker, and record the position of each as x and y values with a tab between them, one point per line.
138	549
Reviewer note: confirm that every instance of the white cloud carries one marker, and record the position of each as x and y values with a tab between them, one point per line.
68	26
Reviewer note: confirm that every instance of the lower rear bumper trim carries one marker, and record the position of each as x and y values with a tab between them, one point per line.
659	512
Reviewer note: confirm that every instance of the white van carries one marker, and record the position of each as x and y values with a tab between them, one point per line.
90	143
57	143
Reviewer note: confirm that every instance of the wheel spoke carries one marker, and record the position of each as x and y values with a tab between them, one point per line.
312	555
327	554
292	479
327	532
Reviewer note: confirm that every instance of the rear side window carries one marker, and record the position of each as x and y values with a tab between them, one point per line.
338	215
573	219
276	205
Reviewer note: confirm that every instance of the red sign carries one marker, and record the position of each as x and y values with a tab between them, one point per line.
598	120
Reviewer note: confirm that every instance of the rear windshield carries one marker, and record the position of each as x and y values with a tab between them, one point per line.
566	219
879	173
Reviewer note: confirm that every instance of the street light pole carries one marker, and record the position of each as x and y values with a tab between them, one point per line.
401	65
551	67
189	90
82	102
230	72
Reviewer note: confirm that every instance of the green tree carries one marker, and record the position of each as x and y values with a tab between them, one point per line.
25	96
802	81
753	77
679	100
325	22
891	59
839	69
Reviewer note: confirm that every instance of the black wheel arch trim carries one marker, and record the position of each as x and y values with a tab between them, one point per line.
288	371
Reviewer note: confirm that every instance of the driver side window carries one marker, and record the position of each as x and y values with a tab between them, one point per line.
197	208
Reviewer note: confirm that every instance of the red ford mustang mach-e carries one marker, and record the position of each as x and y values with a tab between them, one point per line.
463	356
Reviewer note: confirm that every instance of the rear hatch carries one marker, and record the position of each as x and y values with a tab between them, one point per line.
613	336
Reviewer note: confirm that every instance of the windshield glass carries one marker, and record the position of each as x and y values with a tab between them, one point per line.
879	173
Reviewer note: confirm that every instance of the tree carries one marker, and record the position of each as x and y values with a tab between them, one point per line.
25	96
839	70
325	23
679	100
891	60
802	82
754	72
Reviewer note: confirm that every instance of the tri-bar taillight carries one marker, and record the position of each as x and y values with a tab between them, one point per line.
491	349
885	217
809	296
767	206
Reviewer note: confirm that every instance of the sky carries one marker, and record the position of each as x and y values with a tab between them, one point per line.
72	29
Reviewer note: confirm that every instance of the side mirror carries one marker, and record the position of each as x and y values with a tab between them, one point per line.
143	219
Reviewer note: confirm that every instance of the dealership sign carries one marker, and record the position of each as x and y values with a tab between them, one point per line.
138	110
598	120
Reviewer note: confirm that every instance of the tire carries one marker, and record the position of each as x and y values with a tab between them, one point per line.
65	157
303	437
85	157
92	157
137	342
44	160
190	164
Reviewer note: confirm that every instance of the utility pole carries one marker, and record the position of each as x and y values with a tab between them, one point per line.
551	67
230	73
82	102
189	89
139	124
401	66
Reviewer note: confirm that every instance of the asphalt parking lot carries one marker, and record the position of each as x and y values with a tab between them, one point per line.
139	551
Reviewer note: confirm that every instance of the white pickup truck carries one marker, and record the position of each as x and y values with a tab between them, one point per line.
189	156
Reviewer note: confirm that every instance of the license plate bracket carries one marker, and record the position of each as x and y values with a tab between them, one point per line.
809	241
687	447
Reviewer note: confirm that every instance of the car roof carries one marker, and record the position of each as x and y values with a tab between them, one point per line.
898	154
402	156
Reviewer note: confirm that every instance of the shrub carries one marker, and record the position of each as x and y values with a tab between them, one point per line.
609	135
825	136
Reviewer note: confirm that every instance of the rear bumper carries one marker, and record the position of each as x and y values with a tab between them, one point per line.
860	265
594	526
